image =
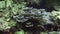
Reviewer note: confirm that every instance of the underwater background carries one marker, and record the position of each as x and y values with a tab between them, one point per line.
29	16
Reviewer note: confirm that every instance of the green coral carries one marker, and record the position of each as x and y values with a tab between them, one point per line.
3	24
56	14
19	32
18	8
6	22
2	4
